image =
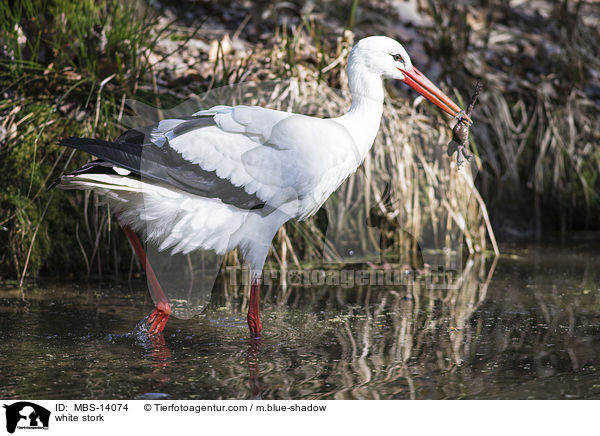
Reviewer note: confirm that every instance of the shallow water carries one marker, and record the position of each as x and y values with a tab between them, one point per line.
529	330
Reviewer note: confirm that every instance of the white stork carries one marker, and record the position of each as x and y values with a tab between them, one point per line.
230	176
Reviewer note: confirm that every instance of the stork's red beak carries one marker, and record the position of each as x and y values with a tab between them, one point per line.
420	83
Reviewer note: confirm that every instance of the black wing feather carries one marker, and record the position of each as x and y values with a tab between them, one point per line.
161	164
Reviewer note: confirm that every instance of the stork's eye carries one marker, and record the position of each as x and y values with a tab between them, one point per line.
397	57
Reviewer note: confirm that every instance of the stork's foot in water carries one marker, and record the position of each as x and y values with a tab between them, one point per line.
158	318
254	325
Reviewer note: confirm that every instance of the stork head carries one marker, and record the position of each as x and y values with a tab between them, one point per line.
386	58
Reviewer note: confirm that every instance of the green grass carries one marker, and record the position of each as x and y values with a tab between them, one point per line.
55	58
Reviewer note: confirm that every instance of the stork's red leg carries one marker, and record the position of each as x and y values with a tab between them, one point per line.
159	316
253	317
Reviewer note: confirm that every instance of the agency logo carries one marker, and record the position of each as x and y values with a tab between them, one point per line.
26	415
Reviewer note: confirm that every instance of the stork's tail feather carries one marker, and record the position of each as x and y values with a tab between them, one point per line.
119	163
122	157
94	167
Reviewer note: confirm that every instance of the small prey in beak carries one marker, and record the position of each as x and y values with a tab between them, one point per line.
460	132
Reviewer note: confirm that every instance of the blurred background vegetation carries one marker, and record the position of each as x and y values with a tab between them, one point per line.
67	68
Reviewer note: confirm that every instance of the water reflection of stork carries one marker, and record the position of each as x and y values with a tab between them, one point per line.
230	177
